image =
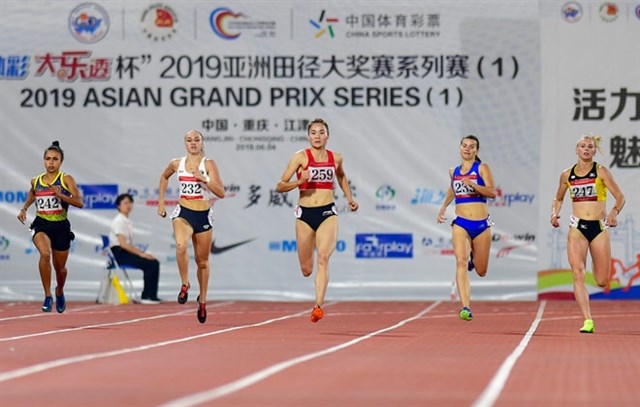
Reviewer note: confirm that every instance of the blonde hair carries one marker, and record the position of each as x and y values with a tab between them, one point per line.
596	140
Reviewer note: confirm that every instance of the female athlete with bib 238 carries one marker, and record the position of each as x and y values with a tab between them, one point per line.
316	223
471	185
587	182
193	217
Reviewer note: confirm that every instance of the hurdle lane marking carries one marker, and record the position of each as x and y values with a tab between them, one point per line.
130	321
497	383
40	367
260	375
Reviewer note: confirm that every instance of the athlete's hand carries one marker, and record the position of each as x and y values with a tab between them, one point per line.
22	216
467	181
442	215
612	219
304	176
554	220
161	211
353	206
56	189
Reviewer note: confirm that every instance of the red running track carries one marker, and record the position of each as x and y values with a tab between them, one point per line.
361	354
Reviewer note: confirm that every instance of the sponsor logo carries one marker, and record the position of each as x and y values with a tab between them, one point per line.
292	246
428	197
13	196
503	199
99	196
385	194
221	249
512	242
638	11
384	245
438	245
230	25
323	25
609	12
572	12
89	23
159	22
4	246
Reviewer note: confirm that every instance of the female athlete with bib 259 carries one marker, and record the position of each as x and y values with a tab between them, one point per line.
193	217
471	185
587	182
52	191
316	223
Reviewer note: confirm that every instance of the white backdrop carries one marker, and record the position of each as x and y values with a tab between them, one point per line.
399	86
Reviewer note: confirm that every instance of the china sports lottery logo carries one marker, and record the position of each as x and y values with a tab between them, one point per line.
319	25
572	12
217	21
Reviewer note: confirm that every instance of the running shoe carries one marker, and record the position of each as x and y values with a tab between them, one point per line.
150	301
47	304
316	314
61	303
465	314
588	327
183	295
470	265
202	311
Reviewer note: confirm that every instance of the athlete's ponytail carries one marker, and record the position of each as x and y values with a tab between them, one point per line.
474	138
55	146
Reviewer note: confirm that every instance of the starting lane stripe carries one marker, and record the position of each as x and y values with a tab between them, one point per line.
239	384
41	367
497	383
130	321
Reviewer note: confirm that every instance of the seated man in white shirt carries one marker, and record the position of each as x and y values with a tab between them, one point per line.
126	254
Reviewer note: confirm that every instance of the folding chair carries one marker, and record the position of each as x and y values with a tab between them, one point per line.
112	267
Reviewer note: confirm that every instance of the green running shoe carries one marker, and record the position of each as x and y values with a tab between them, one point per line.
588	327
465	314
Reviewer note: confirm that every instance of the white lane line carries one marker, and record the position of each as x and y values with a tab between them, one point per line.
239	384
497	383
44	314
40	367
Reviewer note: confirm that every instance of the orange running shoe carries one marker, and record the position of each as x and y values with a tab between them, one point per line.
316	314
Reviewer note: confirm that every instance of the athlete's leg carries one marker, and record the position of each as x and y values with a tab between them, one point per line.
577	246
60	266
600	249
461	247
305	241
182	232
481	247
201	249
326	238
43	244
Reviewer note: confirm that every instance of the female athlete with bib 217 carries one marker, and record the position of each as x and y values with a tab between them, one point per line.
316	223
587	182
471	185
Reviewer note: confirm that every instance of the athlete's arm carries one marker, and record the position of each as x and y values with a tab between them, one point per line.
296	162
31	197
213	180
447	200
607	178
559	197
344	182
75	199
487	189
164	181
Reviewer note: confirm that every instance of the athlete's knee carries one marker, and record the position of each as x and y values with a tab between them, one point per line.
461	263
306	270
203	264
181	248
601	280
481	271
45	253
323	259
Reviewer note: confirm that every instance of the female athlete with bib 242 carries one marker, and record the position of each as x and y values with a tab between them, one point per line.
471	185
52	191
316	223
193	218
587	182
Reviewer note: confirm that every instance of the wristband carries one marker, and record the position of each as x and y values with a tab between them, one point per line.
617	210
